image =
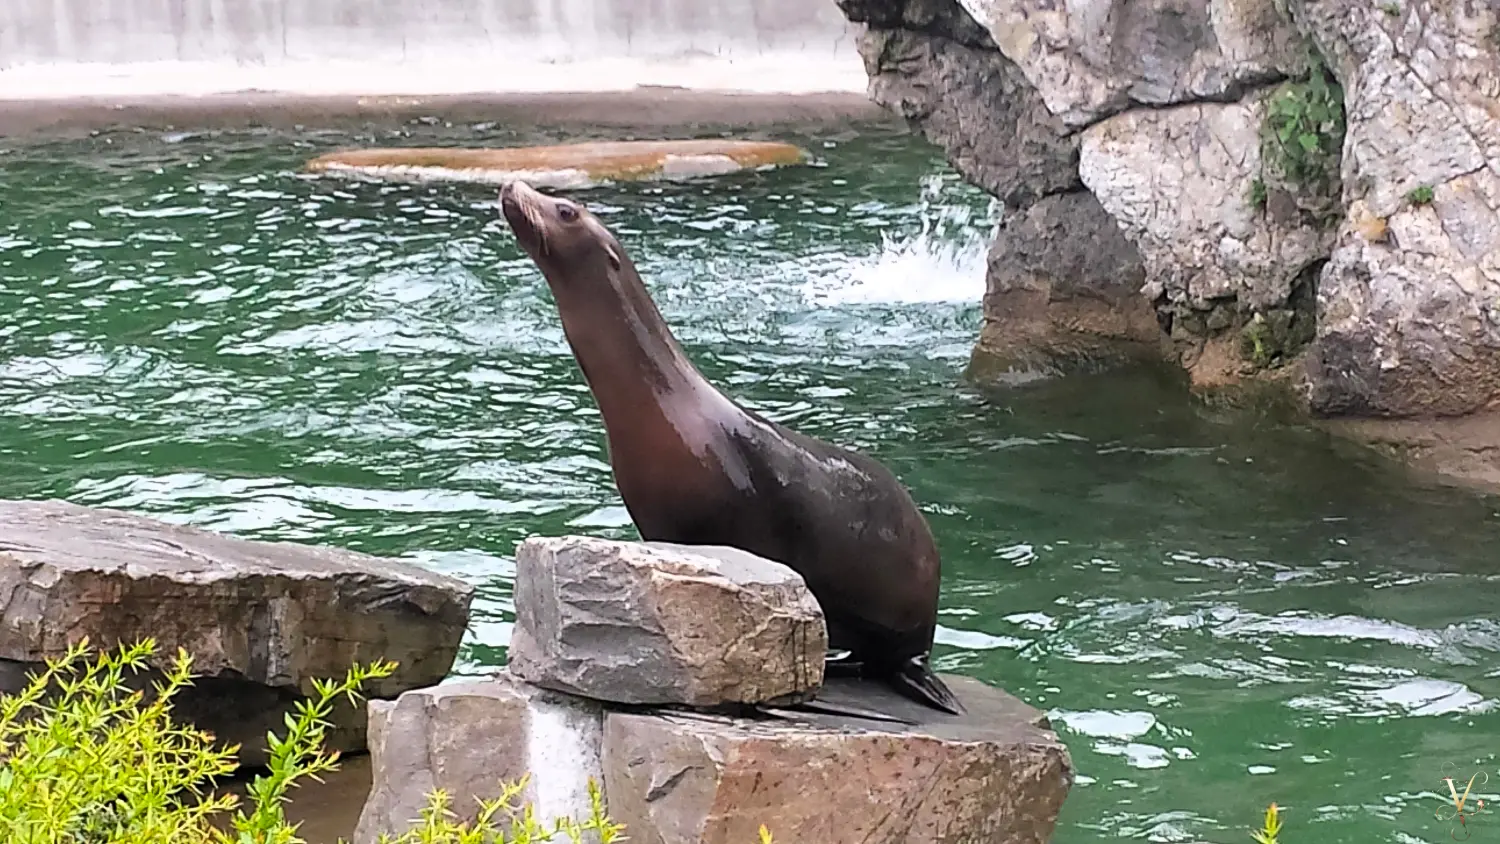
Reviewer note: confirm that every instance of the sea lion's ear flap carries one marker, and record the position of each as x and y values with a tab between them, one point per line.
614	257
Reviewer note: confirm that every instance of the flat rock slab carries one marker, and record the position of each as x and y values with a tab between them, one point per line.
575	165
261	620
997	774
469	739
654	623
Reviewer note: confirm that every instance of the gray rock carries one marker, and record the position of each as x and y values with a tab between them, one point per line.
1089	59
1179	182
999	774
1409	302
472	738
655	623
1064	294
261	620
931	64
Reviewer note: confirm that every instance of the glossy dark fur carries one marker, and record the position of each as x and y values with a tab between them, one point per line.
694	467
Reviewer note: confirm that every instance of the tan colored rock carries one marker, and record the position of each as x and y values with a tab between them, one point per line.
262	620
575	165
997	775
653	623
1179	181
470	739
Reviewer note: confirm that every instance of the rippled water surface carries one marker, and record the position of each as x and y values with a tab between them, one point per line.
1218	612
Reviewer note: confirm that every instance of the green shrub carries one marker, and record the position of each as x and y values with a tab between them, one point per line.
1419	196
89	761
1301	142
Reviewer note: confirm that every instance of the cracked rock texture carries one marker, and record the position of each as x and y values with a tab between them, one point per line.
655	623
470	739
1123	135
1409	303
998	774
1092	58
261	620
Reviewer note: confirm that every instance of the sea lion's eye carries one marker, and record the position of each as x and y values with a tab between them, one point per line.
567	212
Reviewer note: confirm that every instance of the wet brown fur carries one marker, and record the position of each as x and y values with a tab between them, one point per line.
694	467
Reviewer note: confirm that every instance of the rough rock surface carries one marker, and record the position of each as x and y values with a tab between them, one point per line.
1179	180
1409	303
998	774
1052	303
1389	309
656	623
472	738
1063	294
261	620
1092	58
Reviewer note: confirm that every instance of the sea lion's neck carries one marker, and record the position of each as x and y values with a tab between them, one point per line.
627	353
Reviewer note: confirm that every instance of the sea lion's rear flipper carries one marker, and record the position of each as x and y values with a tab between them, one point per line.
826	707
916	680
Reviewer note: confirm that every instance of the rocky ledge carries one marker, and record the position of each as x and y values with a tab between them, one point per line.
676	771
261	620
1278	191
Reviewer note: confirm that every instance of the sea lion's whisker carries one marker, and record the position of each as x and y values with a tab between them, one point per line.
533	216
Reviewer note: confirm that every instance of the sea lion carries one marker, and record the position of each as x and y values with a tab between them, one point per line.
695	468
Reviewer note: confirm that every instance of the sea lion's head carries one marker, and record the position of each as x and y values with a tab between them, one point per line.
562	237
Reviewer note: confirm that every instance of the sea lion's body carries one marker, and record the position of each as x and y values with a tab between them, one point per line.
693	467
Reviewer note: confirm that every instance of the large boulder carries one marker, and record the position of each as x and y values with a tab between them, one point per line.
472	738
659	624
1409	302
261	620
1304	193
997	774
1222	251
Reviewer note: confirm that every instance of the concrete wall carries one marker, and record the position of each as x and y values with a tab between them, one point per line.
83	47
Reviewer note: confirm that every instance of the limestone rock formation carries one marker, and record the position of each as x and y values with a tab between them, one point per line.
657	623
1052	303
1063	294
470	739
1089	59
261	620
997	774
1334	230
1409	304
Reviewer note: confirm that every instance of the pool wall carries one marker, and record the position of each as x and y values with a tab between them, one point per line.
63	60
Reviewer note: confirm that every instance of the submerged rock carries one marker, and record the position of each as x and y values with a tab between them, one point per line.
575	165
472	738
658	623
997	774
261	620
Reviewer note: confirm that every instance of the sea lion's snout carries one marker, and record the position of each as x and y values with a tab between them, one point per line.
522	207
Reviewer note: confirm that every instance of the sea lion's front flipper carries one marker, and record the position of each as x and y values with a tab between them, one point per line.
916	680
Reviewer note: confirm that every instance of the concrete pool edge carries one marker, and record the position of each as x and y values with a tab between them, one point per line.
646	107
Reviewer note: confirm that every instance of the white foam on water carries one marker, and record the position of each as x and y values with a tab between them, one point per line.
943	262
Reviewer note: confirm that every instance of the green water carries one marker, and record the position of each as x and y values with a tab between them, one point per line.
1218	612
